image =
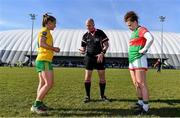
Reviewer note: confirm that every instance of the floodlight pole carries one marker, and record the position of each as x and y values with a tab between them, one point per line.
33	17
162	19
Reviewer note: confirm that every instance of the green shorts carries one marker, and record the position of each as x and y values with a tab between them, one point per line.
43	66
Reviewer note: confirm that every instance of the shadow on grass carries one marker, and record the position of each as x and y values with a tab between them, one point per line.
168	101
93	112
161	112
111	112
165	112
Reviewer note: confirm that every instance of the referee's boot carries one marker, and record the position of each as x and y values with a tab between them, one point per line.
105	99
87	99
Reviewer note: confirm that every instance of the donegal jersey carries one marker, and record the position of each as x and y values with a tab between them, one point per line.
45	54
136	43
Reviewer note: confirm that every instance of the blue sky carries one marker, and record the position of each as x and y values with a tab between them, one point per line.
108	14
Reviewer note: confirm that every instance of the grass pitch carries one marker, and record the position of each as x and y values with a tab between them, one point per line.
18	91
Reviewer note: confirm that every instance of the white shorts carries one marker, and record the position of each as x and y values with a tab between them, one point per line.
139	64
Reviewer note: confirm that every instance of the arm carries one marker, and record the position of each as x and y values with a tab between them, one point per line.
43	44
83	46
105	47
82	50
105	43
155	64
149	40
101	55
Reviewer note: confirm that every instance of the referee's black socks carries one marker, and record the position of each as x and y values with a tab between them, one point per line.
102	88
87	88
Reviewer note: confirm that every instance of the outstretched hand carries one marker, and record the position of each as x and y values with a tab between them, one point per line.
82	50
56	49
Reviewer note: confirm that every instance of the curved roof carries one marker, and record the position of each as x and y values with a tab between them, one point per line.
15	44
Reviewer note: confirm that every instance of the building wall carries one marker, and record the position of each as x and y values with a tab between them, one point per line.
15	44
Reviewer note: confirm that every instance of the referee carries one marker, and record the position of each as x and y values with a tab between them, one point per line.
94	44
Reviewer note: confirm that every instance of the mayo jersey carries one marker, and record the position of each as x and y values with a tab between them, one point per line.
136	43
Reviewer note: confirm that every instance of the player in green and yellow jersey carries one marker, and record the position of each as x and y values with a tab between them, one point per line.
44	62
140	42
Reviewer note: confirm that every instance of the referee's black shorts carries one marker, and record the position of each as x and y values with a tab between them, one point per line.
91	63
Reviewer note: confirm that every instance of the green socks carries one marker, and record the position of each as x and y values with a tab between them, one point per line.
37	103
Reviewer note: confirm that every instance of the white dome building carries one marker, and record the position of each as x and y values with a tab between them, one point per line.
15	45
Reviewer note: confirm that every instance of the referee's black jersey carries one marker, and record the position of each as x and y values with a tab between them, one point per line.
93	42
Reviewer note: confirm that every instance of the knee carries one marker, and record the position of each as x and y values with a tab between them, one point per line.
136	84
102	81
41	82
88	78
49	85
140	85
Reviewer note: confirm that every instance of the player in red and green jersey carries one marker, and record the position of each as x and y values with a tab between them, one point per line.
140	41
